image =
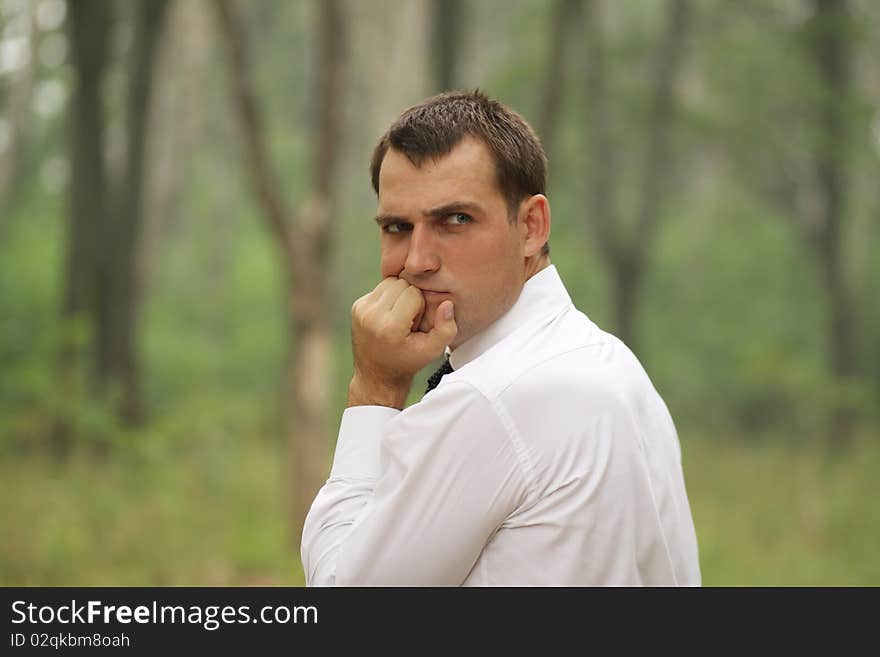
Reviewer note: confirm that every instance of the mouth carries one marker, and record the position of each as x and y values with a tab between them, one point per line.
433	298
432	292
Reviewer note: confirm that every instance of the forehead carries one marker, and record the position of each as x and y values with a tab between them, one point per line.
466	173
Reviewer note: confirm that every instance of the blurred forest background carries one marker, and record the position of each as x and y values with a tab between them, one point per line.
185	220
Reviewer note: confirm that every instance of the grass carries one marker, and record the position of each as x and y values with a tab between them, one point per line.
211	518
778	515
214	514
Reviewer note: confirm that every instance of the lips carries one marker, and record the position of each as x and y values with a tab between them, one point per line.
432	293
433	298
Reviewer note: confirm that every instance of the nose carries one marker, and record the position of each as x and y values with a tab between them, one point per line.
422	256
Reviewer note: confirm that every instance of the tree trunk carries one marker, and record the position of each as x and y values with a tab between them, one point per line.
124	316
564	14
625	281
310	368
89	28
833	59
655	169
176	131
446	41
627	257
18	101
305	246
602	171
312	354
657	154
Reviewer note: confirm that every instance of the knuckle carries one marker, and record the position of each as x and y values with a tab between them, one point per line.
368	316
357	308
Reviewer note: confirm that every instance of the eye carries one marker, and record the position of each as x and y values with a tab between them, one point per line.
396	227
458	219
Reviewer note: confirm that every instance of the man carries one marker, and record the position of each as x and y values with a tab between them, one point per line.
543	456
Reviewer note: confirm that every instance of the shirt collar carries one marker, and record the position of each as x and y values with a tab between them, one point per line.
543	294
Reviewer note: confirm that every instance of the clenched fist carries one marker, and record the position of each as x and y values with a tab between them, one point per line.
387	352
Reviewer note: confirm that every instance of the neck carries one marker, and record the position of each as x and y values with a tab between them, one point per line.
534	265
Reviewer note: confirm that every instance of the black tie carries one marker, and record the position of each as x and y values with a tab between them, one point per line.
442	371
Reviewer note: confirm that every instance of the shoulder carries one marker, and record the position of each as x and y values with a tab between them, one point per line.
562	350
564	365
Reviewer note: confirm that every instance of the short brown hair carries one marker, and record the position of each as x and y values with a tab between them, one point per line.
435	126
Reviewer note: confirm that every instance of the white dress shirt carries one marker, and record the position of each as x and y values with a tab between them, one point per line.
546	458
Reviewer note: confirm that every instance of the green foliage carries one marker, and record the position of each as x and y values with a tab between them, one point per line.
218	335
757	328
29	310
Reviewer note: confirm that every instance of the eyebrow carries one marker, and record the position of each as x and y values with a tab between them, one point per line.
439	211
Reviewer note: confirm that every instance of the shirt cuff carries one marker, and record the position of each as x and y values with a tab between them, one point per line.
357	446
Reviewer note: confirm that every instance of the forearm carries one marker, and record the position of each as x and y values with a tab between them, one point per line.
420	515
348	490
330	521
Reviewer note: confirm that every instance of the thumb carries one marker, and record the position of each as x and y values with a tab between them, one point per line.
445	323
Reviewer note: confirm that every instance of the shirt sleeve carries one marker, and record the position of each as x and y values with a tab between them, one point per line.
413	496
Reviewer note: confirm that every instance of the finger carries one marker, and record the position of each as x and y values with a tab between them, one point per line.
376	293
372	297
408	306
417	321
391	288
441	336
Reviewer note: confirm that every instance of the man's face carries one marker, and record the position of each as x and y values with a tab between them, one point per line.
445	229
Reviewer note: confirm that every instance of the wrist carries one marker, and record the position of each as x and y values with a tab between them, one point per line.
370	391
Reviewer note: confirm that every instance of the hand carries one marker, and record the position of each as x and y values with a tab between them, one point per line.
387	353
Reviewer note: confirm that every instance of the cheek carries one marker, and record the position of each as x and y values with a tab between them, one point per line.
391	262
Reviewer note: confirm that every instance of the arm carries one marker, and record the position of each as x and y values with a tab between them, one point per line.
345	494
413	496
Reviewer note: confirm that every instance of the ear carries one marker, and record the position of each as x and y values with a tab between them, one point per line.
535	224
